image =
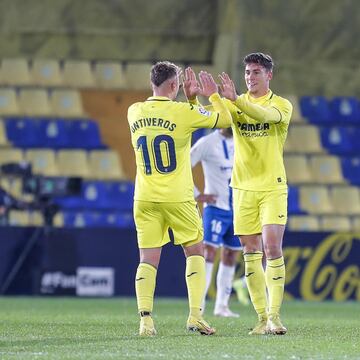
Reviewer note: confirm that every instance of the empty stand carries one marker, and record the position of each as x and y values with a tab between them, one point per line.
34	102
296	114
78	74
335	223
345	109
315	199
105	164
19	218
138	75
84	134
303	223
326	169
305	139
8	102
66	103
73	163
315	109
22	132
43	162
11	155
109	75
345	199
14	72
3	136
351	169
297	169
46	72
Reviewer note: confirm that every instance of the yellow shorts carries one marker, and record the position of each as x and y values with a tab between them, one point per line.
254	209
153	221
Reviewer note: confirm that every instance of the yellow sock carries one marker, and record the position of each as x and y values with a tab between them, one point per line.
255	280
275	282
145	286
195	282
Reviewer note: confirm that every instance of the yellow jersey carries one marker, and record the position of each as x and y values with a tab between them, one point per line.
260	128
161	137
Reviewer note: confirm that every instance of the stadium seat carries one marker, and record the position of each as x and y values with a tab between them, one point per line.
34	102
105	164
22	132
335	223
36	218
338	140
11	155
8	102
73	163
345	199
53	134
306	139
293	201
58	220
14	72
84	134
78	74
297	169
326	169
355	224
12	185
120	195
137	75
3	136
66	103
296	114
109	75
303	223
315	199
46	72
345	109
43	162
351	169
315	109
19	218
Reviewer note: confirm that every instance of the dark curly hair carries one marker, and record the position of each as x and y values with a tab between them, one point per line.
162	71
259	58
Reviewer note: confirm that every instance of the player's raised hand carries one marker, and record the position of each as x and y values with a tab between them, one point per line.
191	86
208	85
227	87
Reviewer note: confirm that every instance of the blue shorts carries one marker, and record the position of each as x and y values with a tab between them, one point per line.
219	229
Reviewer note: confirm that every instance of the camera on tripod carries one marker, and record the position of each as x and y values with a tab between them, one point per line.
45	189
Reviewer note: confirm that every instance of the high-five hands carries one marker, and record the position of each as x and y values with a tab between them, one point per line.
227	87
191	86
208	85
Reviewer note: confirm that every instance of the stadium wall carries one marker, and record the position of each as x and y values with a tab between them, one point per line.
102	262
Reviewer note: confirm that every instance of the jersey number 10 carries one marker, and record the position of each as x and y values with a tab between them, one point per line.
169	144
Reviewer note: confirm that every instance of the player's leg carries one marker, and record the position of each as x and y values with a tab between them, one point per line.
151	236
209	253
247	226
274	216
185	221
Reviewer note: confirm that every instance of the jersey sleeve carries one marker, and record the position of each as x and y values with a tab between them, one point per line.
278	111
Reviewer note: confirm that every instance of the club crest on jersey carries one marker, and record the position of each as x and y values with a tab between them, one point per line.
205	112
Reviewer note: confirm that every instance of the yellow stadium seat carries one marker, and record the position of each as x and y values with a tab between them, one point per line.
8	102
345	199
34	102
3	137
297	169
326	169
315	199
109	75
19	218
105	164
303	223
12	185
296	114
306	139
73	163
36	218
356	224
46	72
14	72
138	75
58	219
78	74
43	162
335	223
11	155
66	103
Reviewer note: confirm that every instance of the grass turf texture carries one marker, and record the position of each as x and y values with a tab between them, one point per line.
65	328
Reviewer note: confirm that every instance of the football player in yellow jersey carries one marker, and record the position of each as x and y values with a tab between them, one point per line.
260	124
164	190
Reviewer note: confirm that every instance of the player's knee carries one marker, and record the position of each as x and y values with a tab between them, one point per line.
272	251
229	257
210	253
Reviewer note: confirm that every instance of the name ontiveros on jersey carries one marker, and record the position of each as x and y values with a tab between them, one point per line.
140	123
253	130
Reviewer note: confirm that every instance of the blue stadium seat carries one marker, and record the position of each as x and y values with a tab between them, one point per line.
120	195
351	169
345	109
84	134
22	131
293	201
315	109
53	134
338	140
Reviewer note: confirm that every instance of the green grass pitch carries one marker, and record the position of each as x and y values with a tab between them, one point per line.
73	328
